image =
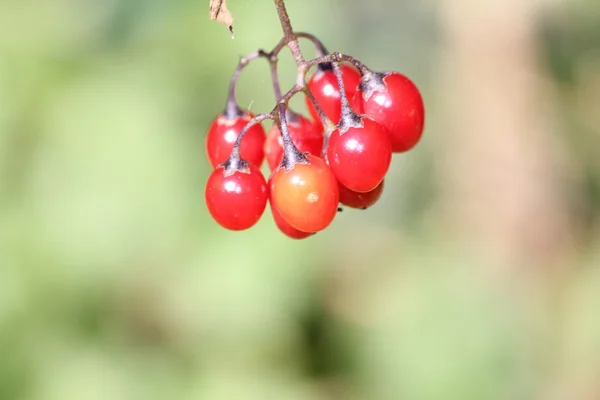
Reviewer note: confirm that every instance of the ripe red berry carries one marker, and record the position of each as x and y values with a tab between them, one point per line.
360	154
236	197
325	89
286	228
305	134
394	101
365	200
223	133
306	196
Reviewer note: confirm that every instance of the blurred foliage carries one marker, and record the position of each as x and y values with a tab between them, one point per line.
116	284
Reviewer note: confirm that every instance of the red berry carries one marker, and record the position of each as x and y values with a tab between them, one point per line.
223	133
306	196
236	198
394	101
286	228
305	134
360	156
325	89
354	199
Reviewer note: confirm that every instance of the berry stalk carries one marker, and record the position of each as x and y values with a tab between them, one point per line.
339	57
235	151
319	46
288	32
328	126
274	76
291	154
349	118
232	108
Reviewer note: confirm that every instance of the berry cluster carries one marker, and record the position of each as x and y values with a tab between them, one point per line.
340	156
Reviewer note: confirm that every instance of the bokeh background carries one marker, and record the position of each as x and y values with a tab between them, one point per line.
477	275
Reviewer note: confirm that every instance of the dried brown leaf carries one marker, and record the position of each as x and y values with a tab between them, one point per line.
219	12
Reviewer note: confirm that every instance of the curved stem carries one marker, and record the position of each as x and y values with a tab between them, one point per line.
320	49
339	57
279	46
319	46
232	105
285	99
232	108
235	151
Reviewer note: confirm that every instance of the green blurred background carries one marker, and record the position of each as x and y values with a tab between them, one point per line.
477	275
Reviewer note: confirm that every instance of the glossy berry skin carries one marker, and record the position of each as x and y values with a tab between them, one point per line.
324	87
361	156
286	228
306	196
305	134
396	103
353	199
236	199
222	134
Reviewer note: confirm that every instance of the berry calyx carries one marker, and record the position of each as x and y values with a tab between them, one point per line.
305	135
360	200
286	228
223	133
236	194
306	195
326	90
394	101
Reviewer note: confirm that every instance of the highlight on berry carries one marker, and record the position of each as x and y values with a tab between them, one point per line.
335	157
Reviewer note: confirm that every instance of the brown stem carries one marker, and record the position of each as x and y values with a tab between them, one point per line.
324	120
340	81
275	77
235	151
278	47
291	93
288	32
319	46
348	117
339	57
302	68
328	126
232	109
291	154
